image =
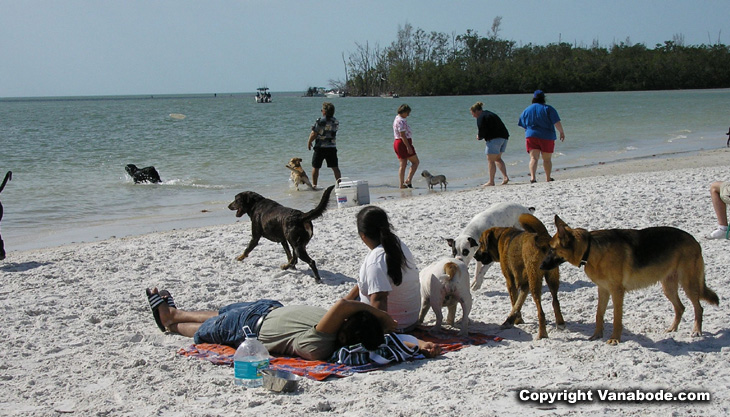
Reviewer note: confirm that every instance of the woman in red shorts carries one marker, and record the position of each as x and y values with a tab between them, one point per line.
403	146
540	121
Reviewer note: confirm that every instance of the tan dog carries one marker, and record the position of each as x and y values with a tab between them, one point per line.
621	260
519	253
445	283
298	176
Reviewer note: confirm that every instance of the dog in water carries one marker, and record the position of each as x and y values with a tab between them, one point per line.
520	253
8	177
445	283
466	244
432	180
146	174
621	260
298	176
281	224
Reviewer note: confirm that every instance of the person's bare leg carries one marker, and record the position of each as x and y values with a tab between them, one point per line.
402	172
502	168
315	176
183	322
717	203
534	156
547	164
414	166
491	168
336	171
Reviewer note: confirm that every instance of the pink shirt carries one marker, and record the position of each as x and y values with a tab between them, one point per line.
400	125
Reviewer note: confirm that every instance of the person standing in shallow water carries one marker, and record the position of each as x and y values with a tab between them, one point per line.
495	134
403	146
324	136
540	121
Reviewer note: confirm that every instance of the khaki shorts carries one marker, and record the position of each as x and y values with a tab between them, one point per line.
725	192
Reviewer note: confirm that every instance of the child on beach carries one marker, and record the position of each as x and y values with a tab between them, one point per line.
720	194
388	277
324	136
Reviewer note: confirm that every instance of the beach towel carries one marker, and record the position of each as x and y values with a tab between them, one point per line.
320	370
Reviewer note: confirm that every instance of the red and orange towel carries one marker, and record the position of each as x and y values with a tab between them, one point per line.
319	370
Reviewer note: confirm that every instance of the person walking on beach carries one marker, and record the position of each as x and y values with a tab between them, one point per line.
388	277
324	136
720	194
403	146
495	134
540	121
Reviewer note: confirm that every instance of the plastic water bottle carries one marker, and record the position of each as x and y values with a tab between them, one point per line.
248	361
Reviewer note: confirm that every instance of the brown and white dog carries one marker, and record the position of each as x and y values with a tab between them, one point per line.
298	176
281	224
520	253
445	283
621	260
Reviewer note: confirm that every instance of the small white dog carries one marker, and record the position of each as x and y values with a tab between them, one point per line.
434	179
466	244
445	283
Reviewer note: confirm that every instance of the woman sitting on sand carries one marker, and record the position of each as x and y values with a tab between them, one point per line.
308	332
388	277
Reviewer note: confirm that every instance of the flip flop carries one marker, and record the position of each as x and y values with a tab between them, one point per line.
167	297
155	300
533	181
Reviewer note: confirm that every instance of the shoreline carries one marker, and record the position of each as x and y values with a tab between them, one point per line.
378	193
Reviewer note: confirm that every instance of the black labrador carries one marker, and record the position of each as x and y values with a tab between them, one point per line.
8	177
146	174
277	223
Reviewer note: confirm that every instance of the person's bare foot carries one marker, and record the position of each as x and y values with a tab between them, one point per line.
488	184
505	181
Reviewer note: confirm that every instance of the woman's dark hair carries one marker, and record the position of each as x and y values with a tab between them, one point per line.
538	97
372	221
362	327
404	108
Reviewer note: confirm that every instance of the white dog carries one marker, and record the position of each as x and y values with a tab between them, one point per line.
445	283
466	244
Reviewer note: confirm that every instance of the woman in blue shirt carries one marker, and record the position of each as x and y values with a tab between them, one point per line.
540	121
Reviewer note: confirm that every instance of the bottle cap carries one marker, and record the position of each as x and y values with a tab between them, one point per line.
249	334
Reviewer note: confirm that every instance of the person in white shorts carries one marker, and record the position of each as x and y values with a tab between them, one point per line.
720	193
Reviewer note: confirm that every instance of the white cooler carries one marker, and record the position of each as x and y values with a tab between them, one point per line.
352	193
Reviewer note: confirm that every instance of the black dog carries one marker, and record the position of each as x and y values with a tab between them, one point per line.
277	223
146	174
8	177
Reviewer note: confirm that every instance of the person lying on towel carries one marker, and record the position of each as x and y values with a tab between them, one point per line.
308	332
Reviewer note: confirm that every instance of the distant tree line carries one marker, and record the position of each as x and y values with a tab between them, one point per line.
420	63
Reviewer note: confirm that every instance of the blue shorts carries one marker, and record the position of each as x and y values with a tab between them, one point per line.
227	327
496	146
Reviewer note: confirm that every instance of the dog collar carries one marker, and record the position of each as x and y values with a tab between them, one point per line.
584	259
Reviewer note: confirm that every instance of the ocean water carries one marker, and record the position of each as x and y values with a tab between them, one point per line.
68	155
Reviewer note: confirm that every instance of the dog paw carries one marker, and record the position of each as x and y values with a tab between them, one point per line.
476	285
240	258
595	337
560	326
612	342
696	334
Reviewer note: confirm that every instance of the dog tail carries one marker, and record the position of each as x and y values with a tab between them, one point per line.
709	295
321	207
8	177
451	269
533	225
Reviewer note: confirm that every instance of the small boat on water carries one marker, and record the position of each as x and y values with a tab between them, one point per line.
263	95
334	93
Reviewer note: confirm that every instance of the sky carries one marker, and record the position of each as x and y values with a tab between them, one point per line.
128	47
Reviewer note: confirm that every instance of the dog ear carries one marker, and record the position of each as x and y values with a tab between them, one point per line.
566	238
473	242
451	242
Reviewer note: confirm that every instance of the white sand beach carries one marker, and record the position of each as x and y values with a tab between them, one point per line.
78	336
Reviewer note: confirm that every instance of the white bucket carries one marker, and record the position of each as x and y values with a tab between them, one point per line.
352	193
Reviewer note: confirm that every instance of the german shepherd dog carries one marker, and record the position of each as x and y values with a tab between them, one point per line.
621	260
8	177
520	253
281	224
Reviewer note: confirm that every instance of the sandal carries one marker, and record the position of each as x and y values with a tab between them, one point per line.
533	181
155	300
167	297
